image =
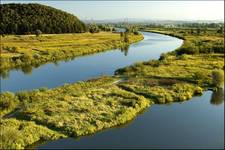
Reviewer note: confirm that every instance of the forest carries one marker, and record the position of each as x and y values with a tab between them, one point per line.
27	18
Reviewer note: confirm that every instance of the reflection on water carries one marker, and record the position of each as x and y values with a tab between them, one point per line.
125	49
86	67
217	97
27	69
4	74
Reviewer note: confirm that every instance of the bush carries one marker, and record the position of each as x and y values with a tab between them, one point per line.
200	77
8	102
136	33
93	28
126	37
163	56
121	34
38	33
218	78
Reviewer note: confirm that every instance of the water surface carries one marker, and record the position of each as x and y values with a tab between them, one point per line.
87	67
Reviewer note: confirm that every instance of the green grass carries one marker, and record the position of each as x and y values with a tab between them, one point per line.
23	50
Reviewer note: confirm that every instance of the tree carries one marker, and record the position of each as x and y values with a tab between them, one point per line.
217	97
93	28
198	31
38	32
220	30
126	37
121	35
218	78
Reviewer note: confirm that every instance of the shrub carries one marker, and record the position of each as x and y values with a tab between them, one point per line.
121	34
218	78
93	28
27	56
126	37
38	33
136	33
8	102
198	91
200	77
163	56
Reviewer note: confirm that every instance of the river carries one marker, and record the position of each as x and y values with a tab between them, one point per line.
86	67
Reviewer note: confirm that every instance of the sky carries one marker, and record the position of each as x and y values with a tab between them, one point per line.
158	10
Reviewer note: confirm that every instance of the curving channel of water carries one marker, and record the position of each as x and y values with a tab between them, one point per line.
87	67
197	123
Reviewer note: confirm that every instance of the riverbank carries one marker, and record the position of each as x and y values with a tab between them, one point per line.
180	74
18	51
86	107
71	110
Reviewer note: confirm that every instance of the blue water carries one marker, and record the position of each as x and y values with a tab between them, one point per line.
87	67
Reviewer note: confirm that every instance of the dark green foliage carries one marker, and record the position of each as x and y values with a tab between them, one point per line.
8	102
163	56
121	34
27	18
136	33
105	27
93	28
218	78
126	37
217	97
38	32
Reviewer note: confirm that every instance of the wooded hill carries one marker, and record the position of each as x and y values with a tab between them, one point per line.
27	18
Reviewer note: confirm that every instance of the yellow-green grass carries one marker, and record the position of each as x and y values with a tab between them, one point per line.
21	50
173	79
17	134
178	76
76	109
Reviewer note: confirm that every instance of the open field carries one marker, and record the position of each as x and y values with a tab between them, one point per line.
22	50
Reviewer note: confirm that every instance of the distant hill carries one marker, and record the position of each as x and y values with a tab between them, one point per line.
150	21
26	18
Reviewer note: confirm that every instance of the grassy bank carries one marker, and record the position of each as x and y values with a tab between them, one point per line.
72	110
181	74
87	107
172	79
18	51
